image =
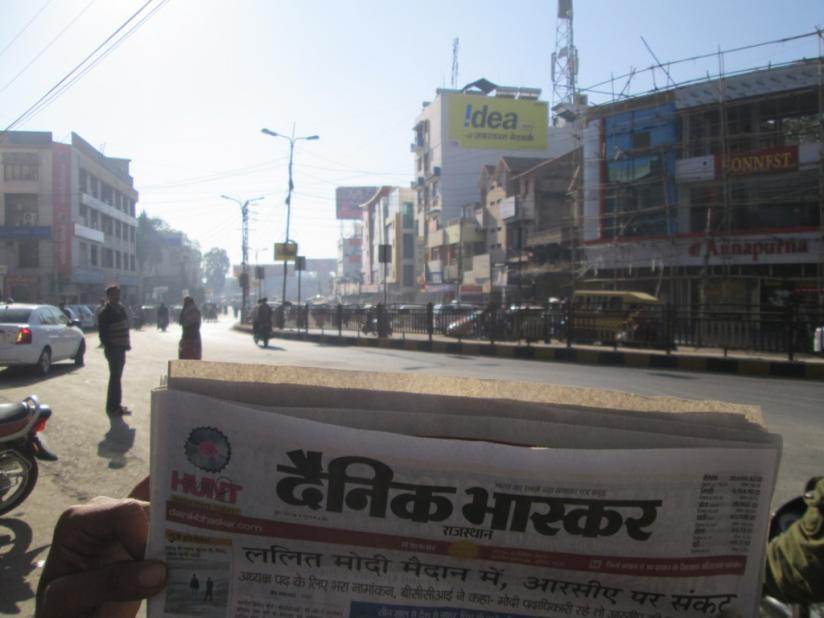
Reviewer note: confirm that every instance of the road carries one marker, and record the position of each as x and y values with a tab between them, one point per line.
94	460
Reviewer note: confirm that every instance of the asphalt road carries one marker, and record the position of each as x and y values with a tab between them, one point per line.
97	459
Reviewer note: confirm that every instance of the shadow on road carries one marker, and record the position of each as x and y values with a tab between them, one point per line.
116	443
24	376
17	562
271	348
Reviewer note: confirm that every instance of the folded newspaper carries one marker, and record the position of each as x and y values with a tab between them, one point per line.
289	492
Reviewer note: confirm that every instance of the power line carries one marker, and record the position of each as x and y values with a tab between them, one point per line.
26	27
94	62
46	48
79	69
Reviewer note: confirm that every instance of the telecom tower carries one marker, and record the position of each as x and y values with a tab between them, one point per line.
564	59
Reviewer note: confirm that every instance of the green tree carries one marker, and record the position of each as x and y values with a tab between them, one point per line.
215	266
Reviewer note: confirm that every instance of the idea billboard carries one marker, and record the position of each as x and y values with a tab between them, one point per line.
497	122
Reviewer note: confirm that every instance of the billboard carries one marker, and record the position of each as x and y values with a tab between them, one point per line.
62	228
286	251
497	123
349	199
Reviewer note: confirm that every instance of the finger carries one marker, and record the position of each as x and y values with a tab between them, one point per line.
80	593
85	535
141	490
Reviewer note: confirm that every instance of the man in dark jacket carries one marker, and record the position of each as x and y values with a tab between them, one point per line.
113	325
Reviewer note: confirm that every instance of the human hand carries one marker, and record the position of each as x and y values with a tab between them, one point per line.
96	561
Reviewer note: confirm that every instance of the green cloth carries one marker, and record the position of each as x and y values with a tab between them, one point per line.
795	559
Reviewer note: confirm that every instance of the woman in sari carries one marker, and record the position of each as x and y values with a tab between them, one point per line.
189	347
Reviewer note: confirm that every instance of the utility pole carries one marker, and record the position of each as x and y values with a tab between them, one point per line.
244	252
291	139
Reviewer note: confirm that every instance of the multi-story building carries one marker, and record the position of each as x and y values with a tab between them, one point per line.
389	220
711	192
67	220
348	265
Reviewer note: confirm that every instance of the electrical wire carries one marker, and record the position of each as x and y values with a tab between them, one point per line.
95	62
24	28
82	67
46	48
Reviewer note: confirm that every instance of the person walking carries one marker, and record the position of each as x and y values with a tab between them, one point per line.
163	317
207	596
113	326
194	586
190	346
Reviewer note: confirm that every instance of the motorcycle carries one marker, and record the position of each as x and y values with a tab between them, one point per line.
781	520
21	447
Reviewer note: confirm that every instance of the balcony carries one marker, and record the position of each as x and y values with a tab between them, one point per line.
81	231
100	205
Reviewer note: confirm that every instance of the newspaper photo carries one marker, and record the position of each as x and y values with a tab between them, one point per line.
261	511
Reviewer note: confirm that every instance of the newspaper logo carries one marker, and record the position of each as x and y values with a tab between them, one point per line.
208	448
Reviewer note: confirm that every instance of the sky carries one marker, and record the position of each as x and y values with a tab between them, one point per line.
186	95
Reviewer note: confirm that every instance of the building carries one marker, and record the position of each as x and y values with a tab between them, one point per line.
709	193
172	269
389	221
67	220
348	266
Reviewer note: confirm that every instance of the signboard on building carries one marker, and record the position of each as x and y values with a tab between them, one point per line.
25	232
349	199
508	208
286	251
61	206
497	122
769	161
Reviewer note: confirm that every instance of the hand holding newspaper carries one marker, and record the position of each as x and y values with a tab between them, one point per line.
302	493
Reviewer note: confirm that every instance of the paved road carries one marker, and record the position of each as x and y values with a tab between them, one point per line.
95	460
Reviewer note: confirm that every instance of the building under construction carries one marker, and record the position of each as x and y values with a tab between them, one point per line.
706	193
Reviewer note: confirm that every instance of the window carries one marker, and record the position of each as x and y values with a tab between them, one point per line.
108	225
108	258
131	234
641	139
21	166
106	194
95	219
95	185
84	254
117	260
408	215
28	253
93	255
84	213
408	275
408	247
83	180
131	208
21	209
131	263
117	229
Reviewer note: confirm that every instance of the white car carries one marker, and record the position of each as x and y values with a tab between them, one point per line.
38	335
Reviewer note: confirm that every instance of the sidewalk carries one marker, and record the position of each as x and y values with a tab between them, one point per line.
687	359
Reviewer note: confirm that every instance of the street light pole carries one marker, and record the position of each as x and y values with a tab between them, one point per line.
291	139
244	262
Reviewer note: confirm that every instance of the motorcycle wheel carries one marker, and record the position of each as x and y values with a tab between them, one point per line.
18	476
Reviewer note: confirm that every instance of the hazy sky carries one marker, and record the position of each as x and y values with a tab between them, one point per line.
185	97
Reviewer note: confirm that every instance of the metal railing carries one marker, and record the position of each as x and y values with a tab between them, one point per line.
788	330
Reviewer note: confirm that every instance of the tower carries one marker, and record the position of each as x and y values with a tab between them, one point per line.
564	58
455	48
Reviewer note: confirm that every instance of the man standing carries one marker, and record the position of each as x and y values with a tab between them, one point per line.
113	325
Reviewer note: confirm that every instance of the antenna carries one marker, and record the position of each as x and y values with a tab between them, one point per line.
564	58
456	45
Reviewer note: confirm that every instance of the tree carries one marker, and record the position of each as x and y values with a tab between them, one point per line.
215	266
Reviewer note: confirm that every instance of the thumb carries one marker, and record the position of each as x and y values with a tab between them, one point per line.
79	593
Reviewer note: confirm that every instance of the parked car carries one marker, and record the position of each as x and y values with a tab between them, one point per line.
85	316
38	335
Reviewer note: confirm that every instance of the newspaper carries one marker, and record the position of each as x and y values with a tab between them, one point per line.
296	511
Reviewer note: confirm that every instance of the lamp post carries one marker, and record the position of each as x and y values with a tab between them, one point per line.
291	139
244	263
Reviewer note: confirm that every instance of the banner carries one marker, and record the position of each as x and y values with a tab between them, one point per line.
349	199
286	251
497	123
61	205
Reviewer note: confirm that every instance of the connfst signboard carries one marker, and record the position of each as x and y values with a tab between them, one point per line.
497	123
349	199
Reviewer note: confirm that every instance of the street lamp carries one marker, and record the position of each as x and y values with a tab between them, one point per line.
244	264
291	139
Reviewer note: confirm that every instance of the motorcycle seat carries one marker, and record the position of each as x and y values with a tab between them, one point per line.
12	412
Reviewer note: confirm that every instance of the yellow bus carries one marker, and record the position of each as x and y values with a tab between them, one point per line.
614	316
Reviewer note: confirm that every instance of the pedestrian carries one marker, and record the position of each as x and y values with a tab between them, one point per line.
194	586
207	596
113	326
163	317
190	347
